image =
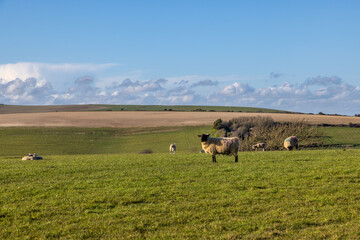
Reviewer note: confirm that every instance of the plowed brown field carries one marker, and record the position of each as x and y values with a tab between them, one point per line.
151	119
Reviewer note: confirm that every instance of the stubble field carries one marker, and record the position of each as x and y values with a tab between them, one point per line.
125	119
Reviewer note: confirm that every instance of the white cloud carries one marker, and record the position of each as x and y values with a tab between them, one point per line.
228	90
333	96
323	81
57	74
205	83
193	79
275	75
9	72
83	92
26	92
236	89
105	81
319	94
129	87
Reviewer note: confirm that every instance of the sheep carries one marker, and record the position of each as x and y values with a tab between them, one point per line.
32	156
260	145
291	142
225	146
172	148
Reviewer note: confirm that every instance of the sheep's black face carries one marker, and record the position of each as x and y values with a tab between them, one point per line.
204	137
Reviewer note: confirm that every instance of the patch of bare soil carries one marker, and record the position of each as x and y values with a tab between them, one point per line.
125	119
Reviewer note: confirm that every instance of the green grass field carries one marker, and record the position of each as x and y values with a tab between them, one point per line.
92	184
342	136
267	195
62	141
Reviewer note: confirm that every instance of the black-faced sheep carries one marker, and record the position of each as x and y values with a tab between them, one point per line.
291	142
225	146
172	148
257	146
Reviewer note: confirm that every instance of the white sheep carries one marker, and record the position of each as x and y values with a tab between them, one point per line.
260	145
172	148
225	146
32	156
291	142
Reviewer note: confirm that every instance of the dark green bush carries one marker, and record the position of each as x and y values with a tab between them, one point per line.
251	130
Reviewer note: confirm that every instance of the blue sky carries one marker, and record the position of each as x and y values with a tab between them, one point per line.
292	55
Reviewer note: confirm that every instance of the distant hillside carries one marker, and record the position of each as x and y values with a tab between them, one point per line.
186	108
99	107
4	109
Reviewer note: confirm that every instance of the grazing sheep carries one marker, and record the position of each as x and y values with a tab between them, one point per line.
172	148
257	146
32	156
225	146
291	142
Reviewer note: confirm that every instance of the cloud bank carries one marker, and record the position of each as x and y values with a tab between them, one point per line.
313	95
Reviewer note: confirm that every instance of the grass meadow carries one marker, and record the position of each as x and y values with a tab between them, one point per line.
19	141
267	195
93	185
342	136
59	141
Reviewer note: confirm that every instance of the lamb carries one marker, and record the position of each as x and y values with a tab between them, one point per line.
260	145
172	148
225	146
291	142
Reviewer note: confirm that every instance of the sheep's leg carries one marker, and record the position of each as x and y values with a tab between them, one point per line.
236	158
213	158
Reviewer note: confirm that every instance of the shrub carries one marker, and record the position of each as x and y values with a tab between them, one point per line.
251	130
